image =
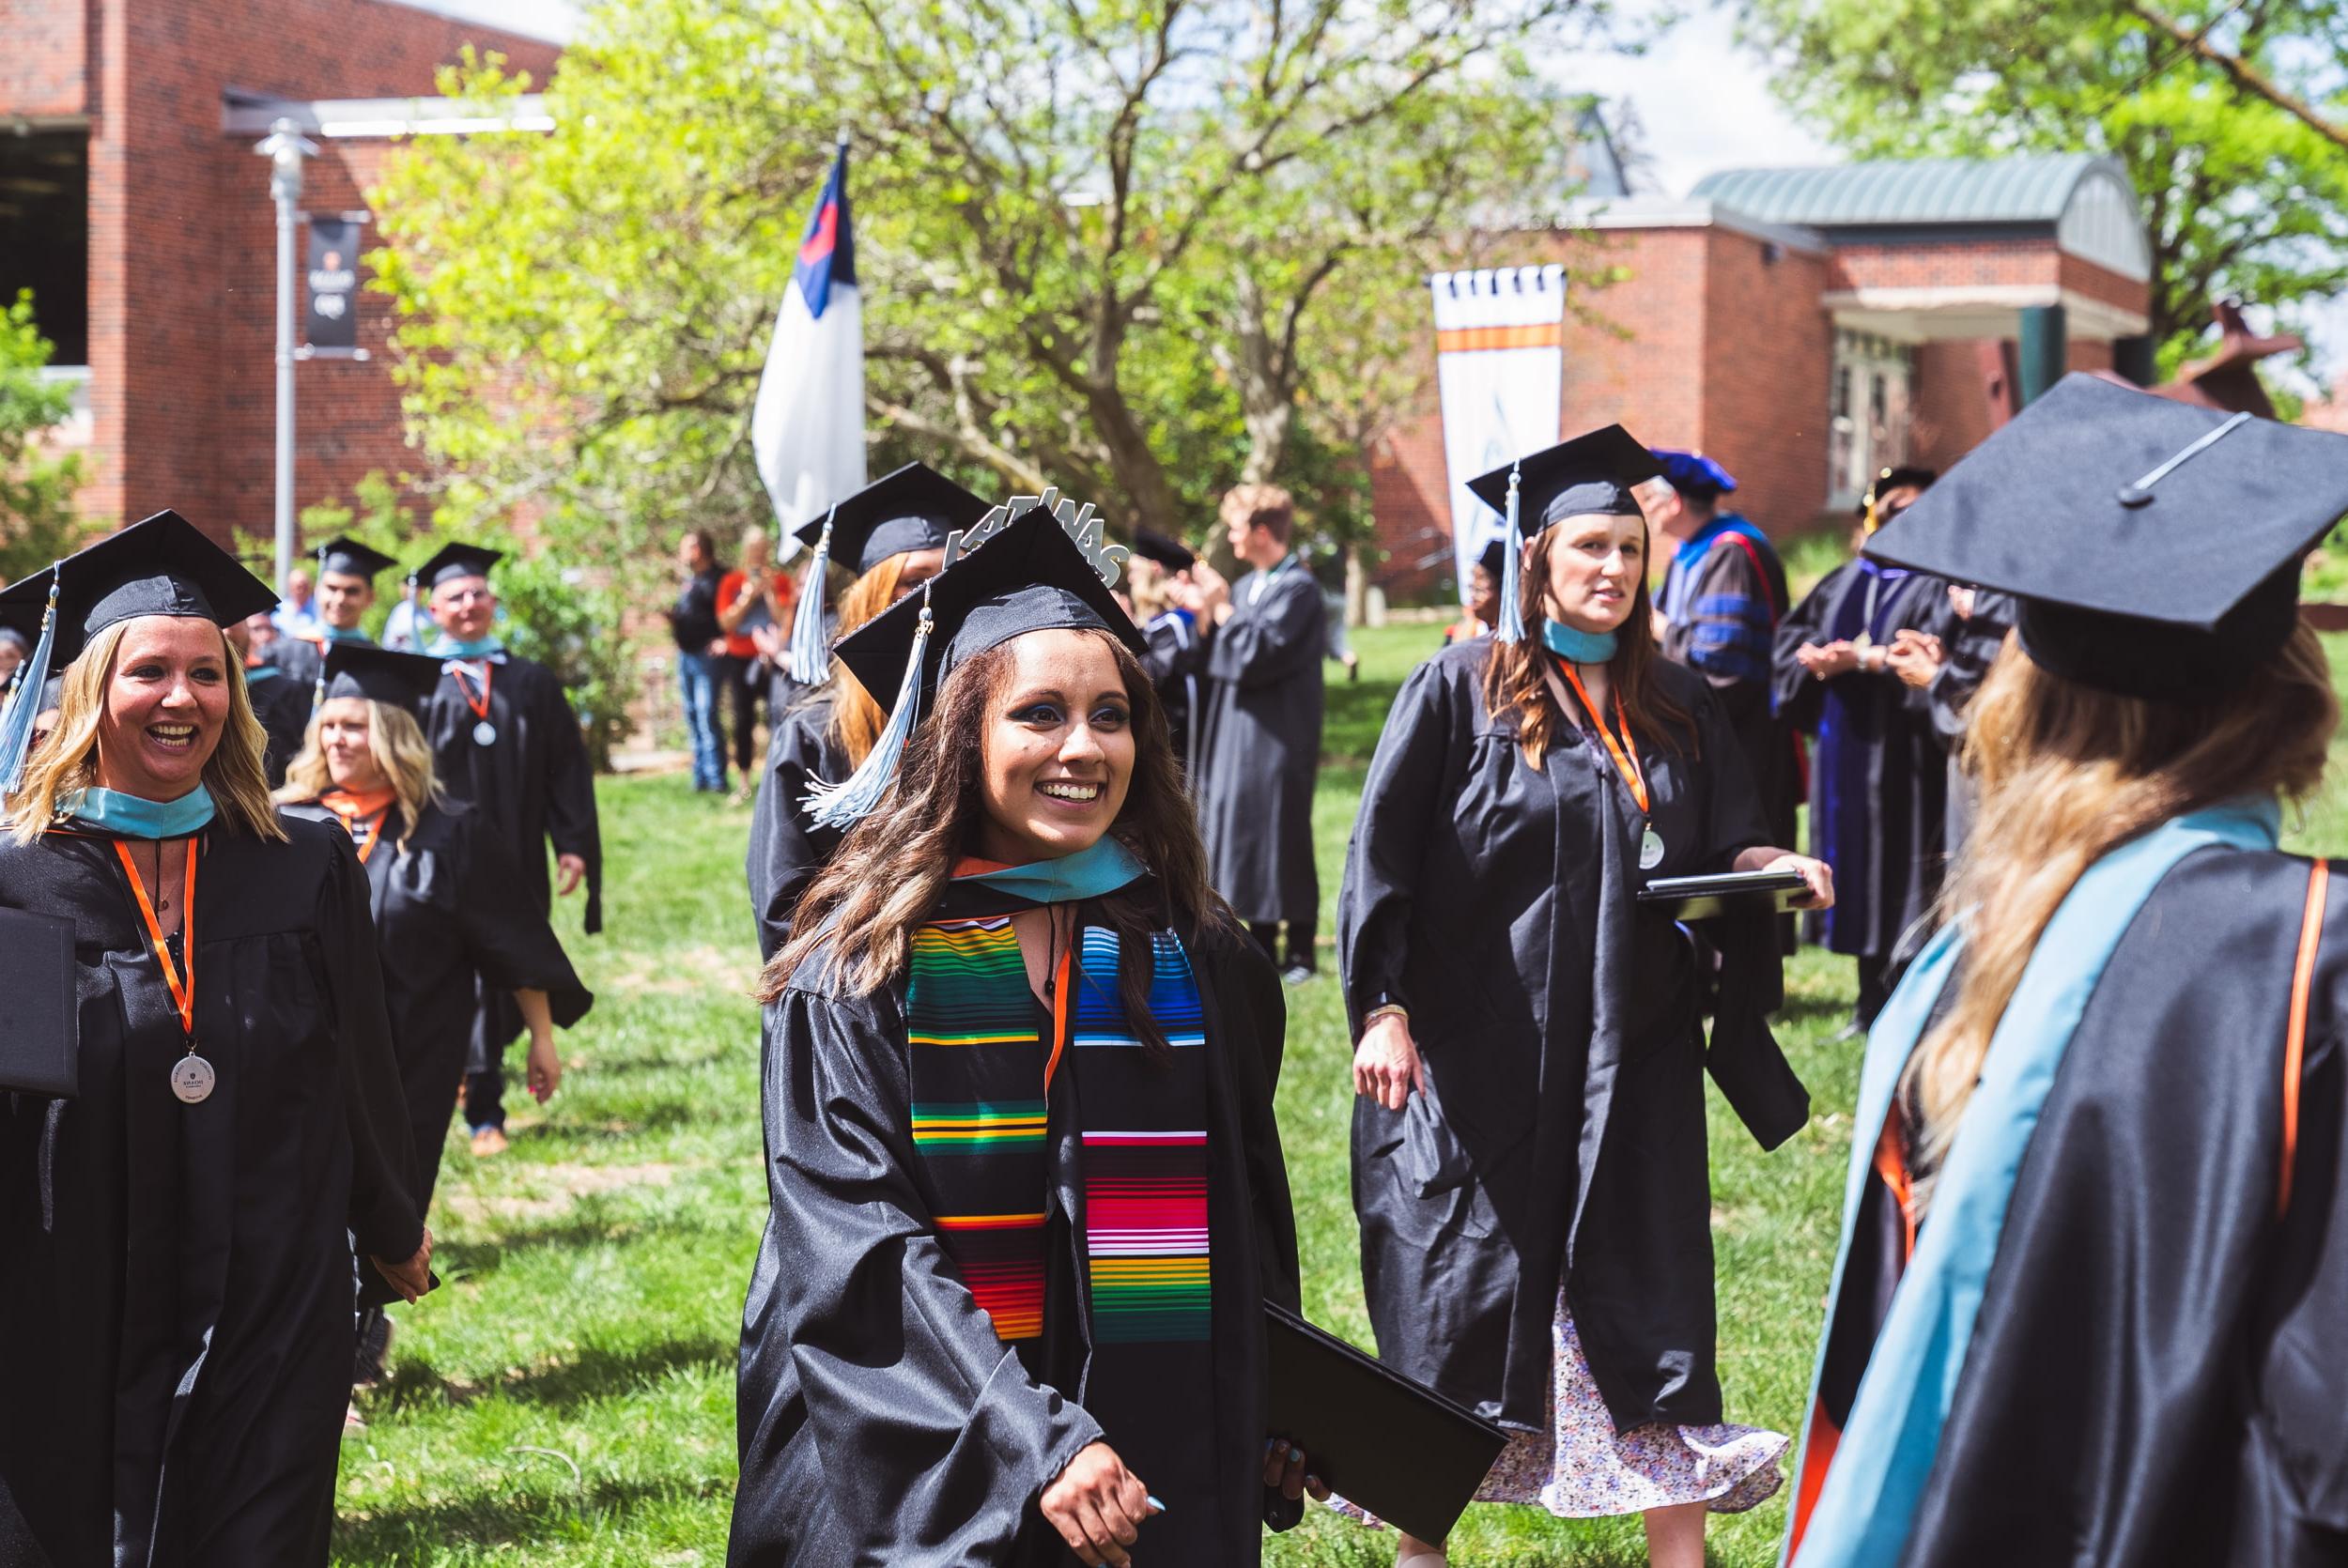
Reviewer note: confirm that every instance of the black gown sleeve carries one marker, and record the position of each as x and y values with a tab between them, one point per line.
1733	821
784	852
1793	692
383	1219
572	826
508	942
1270	642
934	1438
1253	1014
1382	863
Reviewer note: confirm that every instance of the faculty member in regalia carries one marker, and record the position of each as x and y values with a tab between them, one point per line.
1878	772
894	532
1529	1155
505	741
2089	1303
1026	1191
178	1276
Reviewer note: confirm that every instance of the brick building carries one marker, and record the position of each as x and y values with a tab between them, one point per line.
132	203
1808	326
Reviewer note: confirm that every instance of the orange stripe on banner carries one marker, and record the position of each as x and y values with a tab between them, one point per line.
2295	1043
1547	334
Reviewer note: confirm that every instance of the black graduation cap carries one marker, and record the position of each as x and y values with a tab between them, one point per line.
1030	577
2154	546
161	565
348	558
1494	559
456	560
1172	554
1899	476
1592	474
915	508
377	674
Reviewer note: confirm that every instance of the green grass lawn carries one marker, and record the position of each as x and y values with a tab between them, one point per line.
568	1398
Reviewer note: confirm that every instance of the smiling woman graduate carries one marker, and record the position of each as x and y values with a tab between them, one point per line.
1027	1190
2094	1260
1529	1164
177	1279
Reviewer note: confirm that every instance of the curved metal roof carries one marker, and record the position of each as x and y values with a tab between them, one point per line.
2023	189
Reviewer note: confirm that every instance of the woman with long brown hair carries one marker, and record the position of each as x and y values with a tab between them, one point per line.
2094	1260
1026	1190
1529	1162
209	1173
895	531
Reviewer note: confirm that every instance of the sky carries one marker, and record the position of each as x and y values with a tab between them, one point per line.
1702	105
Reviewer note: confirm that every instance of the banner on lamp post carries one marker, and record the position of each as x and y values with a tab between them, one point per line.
1499	370
330	312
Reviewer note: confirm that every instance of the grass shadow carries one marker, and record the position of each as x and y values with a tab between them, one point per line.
426	1533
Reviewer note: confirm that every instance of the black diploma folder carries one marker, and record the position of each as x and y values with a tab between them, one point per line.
40	1012
1729	893
1388	1445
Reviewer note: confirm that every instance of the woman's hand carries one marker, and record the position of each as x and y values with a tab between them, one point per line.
1386	1065
412	1278
1284	1470
1817	874
1097	1505
1915	657
1824	661
546	1066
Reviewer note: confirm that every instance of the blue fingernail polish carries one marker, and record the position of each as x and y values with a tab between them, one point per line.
1155	1504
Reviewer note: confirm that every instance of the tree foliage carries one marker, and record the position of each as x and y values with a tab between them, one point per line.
1120	246
37	523
2228	115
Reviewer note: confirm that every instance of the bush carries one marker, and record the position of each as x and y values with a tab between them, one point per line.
572	626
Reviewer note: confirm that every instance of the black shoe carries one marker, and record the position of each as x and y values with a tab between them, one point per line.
375	1343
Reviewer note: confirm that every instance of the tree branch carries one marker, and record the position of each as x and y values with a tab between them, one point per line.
2243	74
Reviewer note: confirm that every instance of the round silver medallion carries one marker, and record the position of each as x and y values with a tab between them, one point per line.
1650	851
192	1079
485	734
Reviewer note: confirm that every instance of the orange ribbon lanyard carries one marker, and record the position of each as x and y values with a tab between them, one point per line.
1626	756
183	996
457	670
354	815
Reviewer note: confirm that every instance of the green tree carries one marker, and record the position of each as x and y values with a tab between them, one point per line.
36	519
2228	116
1078	223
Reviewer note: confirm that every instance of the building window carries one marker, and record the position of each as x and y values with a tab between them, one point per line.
44	234
1873	385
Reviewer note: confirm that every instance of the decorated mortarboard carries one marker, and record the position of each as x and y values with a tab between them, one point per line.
1022	571
161	565
1172	554
377	674
348	558
1900	476
1592	475
915	508
1691	472
2153	546
454	561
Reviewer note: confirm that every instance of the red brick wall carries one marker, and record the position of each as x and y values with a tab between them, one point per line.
44	55
1769	349
1971	262
1958	392
2099	283
182	240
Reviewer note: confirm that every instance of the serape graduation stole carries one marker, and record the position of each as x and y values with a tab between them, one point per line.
981	1065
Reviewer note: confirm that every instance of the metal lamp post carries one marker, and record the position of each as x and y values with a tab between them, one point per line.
285	147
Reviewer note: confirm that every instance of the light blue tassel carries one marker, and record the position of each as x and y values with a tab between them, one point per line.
1511	627
843	804
24	708
810	661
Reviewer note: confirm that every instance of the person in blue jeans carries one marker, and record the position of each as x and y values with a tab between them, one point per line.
701	648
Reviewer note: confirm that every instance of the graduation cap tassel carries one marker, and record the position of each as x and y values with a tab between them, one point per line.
840	805
15	726
1511	627
810	659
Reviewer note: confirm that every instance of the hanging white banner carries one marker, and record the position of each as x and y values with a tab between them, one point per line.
1500	368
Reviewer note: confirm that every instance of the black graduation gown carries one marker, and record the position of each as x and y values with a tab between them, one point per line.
786	848
1772	754
176	1282
1565	1132
1972	646
2156	1375
1886	767
448	904
1176	662
1263	738
282	703
880	1419
532	783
